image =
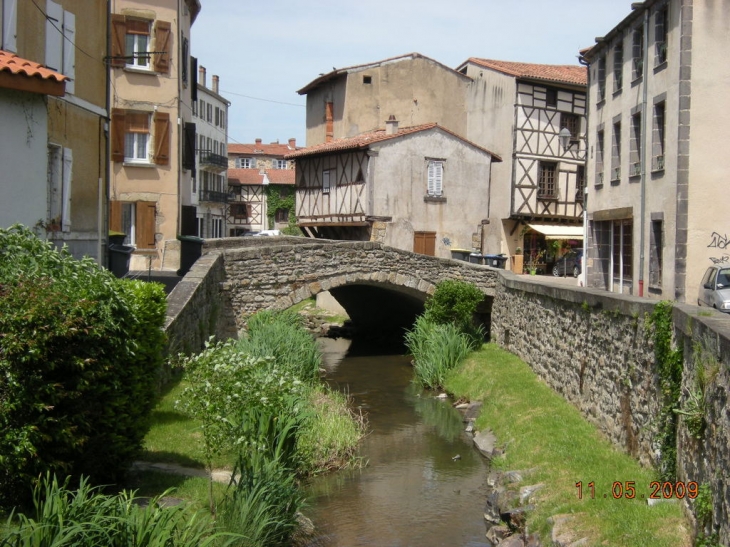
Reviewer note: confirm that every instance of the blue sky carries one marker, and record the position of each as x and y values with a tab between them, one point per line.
264	51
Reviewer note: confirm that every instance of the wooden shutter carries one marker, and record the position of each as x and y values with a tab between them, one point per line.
118	127
162	47
115	216
10	25
189	146
69	50
424	243
162	139
66	193
145	224
54	38
193	79
119	36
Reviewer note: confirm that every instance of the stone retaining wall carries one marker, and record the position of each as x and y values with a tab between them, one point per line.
593	348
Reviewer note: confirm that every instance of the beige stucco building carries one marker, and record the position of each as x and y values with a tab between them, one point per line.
517	110
54	152
153	142
657	121
421	188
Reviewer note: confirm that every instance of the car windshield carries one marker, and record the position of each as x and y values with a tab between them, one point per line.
723	277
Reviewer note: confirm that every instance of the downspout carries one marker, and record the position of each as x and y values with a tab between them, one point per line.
642	158
583	273
104	214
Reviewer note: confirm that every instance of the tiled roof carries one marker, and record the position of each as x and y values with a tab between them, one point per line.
260	149
566	74
255	177
356	68
12	65
364	140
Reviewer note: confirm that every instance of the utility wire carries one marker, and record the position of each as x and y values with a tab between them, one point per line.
260	99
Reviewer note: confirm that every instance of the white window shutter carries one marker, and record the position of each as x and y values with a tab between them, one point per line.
54	38
431	178
67	170
10	25
69	49
439	178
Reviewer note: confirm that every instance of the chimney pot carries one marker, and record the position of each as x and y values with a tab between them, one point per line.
201	76
258	141
391	126
292	143
215	83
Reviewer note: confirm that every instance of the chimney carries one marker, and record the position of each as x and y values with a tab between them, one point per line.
292	144
258	141
201	76
391	126
215	83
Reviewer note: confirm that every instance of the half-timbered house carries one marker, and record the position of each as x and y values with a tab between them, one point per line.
420	188
256	171
536	116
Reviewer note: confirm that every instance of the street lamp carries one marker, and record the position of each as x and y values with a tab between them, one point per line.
564	136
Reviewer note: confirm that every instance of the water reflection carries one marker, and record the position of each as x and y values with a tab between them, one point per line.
424	484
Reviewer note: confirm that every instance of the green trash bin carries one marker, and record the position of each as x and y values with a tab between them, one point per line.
191	249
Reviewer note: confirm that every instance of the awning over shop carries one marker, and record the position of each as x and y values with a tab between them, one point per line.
558	231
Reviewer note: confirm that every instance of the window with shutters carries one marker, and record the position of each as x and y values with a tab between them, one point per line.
60	171
239	211
325	182
435	178
136	219
616	153
658	141
618	66
281	164
140	137
60	42
140	44
282	215
601	79
245	163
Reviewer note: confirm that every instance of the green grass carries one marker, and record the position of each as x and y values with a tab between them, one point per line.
175	437
545	433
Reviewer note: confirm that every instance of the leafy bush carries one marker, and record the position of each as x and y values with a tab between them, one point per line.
455	302
436	349
80	353
88	518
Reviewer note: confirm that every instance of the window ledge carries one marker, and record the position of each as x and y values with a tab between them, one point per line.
598	186
145	164
661	66
434	199
138	70
547	198
601	102
615	182
657	171
617	92
635	178
636	81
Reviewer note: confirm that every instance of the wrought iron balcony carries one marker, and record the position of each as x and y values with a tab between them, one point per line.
213	196
210	159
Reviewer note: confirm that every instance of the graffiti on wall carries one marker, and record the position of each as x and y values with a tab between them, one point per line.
719	241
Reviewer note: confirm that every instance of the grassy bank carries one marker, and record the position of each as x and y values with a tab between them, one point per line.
544	433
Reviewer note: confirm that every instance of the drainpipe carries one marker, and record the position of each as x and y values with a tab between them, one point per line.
583	269
642	159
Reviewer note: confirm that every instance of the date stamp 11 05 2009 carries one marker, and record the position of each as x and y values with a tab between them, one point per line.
629	490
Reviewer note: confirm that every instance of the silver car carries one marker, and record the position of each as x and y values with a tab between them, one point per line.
715	288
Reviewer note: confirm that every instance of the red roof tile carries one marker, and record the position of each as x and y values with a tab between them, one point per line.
11	65
255	177
17	65
364	140
260	149
566	74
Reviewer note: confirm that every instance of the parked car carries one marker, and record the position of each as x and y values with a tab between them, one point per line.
570	263
715	288
269	233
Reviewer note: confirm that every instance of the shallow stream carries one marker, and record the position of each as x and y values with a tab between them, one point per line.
423	483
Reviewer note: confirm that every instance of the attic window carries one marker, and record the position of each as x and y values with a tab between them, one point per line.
367	79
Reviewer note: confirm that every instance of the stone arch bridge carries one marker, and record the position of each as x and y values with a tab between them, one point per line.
380	287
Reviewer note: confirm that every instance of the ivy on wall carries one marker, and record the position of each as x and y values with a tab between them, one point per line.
670	364
281	197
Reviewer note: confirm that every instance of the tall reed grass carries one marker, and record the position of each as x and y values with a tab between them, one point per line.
436	349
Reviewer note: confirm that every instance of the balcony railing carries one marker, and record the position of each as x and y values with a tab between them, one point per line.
213	196
635	169
210	159
658	163
615	174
